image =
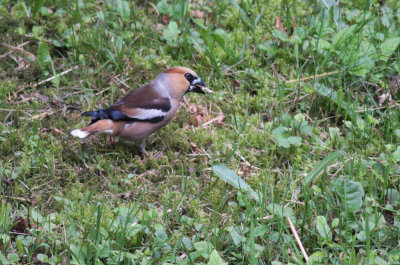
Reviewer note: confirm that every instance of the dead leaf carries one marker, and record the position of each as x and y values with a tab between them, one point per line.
22	64
24	98
44	130
395	84
236	84
197	120
197	114
19	48
125	195
8	181
193	146
55	130
165	20
159	27
197	14
33	199
43	98
20	226
41	115
221	118
279	24
382	98
323	135
65	260
265	116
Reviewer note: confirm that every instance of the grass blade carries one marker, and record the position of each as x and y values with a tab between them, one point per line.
230	177
316	171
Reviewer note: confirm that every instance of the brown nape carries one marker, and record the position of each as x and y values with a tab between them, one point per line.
179	70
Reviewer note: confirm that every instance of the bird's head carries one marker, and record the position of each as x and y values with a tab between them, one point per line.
184	80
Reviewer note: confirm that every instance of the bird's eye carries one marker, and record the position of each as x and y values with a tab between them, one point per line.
189	77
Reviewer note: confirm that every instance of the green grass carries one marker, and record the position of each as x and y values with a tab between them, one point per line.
307	133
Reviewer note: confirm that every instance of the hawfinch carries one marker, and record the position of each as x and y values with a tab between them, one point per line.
146	109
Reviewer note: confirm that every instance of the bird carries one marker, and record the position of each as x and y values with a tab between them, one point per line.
145	110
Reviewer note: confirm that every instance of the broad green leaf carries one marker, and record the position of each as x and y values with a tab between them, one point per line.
171	34
279	34
316	258
3	259
215	259
353	14
187	243
231	178
14	258
323	228
388	47
204	248
294	140
42	257
350	193
164	8
221	36
279	136
123	9
260	230
393	196
334	133
279	210
360	124
396	155
305	128
387	18
269	47
380	261
236	237
320	167
283	140
37	31
332	5
322	45
363	66
43	55
335	222
344	35
161	235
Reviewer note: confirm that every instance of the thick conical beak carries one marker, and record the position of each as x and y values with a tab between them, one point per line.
198	86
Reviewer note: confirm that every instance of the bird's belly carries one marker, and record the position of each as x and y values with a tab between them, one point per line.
138	131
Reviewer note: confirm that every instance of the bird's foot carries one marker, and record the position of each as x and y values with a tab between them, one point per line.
111	140
142	147
144	152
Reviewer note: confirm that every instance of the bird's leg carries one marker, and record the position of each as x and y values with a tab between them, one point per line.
142	147
111	140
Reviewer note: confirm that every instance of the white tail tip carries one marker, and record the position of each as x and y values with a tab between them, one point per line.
79	133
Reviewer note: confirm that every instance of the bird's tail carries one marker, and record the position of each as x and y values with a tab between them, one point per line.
88	113
101	126
102	114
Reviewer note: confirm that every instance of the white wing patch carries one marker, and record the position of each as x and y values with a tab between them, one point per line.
148	114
